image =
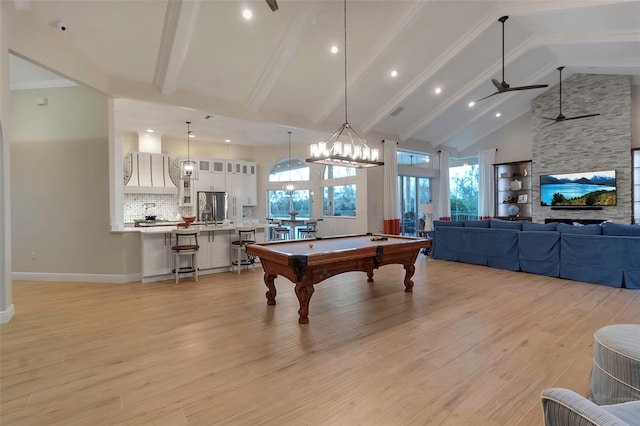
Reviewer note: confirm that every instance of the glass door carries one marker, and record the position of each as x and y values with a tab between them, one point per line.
414	191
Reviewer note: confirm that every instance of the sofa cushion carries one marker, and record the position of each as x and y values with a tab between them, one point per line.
476	224
506	224
621	230
533	226
437	223
565	228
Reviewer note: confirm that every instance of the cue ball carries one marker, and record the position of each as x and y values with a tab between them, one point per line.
310	245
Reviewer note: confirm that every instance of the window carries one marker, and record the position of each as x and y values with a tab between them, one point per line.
281	172
414	159
333	172
280	202
463	188
339	200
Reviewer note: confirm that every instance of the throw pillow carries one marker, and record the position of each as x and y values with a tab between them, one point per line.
619	229
532	226
437	223
476	224
506	224
584	229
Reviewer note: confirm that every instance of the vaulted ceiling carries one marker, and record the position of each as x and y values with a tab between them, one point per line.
276	71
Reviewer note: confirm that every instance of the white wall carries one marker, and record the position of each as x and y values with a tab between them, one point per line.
635	114
60	188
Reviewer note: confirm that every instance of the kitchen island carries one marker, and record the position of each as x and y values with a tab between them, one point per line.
213	256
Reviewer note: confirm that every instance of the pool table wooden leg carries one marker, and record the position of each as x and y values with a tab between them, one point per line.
304	293
410	269
271	294
370	275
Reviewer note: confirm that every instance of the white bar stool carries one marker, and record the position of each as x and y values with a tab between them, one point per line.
186	245
246	236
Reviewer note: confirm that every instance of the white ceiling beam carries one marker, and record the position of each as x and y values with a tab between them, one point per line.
416	83
534	7
179	23
409	16
285	51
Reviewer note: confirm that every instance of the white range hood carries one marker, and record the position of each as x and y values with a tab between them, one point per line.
149	175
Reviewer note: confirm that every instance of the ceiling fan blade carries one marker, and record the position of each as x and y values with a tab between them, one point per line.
581	116
498	85
482	99
272	4
534	86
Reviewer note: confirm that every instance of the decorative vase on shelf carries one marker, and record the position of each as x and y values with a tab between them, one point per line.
513	210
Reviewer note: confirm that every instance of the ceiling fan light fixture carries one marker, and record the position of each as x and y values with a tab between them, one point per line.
353	151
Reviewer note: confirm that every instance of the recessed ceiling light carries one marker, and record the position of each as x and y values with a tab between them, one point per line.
334	49
227	140
498	114
247	14
149	130
471	104
394	73
437	90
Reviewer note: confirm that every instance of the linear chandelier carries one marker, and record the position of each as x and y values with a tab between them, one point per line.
353	153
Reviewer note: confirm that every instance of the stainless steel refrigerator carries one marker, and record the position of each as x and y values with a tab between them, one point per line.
212	206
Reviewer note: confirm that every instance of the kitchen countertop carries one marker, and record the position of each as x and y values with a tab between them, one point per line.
165	229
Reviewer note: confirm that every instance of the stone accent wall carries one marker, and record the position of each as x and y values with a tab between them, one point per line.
584	145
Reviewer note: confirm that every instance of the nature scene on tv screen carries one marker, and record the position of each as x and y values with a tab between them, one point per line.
579	189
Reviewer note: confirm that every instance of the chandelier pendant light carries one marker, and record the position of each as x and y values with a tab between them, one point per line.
188	168
289	187
354	152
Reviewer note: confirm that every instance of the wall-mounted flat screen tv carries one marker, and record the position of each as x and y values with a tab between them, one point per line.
579	189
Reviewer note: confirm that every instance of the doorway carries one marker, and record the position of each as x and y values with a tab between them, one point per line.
414	191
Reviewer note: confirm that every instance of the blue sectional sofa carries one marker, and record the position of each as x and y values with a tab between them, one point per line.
607	254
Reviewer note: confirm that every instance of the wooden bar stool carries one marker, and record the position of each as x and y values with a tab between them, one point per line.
246	236
186	245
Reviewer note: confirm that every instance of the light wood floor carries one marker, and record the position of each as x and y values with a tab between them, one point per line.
471	346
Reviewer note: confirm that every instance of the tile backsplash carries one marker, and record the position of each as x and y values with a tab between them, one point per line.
163	206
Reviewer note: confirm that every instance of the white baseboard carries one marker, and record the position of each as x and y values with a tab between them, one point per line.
89	278
5	316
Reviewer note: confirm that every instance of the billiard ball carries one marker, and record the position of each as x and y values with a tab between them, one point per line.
310	245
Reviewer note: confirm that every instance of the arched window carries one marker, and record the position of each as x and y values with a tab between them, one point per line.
281	172
338	198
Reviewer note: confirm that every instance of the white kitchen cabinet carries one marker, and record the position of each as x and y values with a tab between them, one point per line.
211	175
215	247
250	184
157	257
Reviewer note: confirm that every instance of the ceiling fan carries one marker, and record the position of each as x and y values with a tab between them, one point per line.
272	4
561	117
504	87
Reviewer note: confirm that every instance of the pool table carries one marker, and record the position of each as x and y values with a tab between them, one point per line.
308	262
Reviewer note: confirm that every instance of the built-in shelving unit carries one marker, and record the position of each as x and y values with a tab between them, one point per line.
513	188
